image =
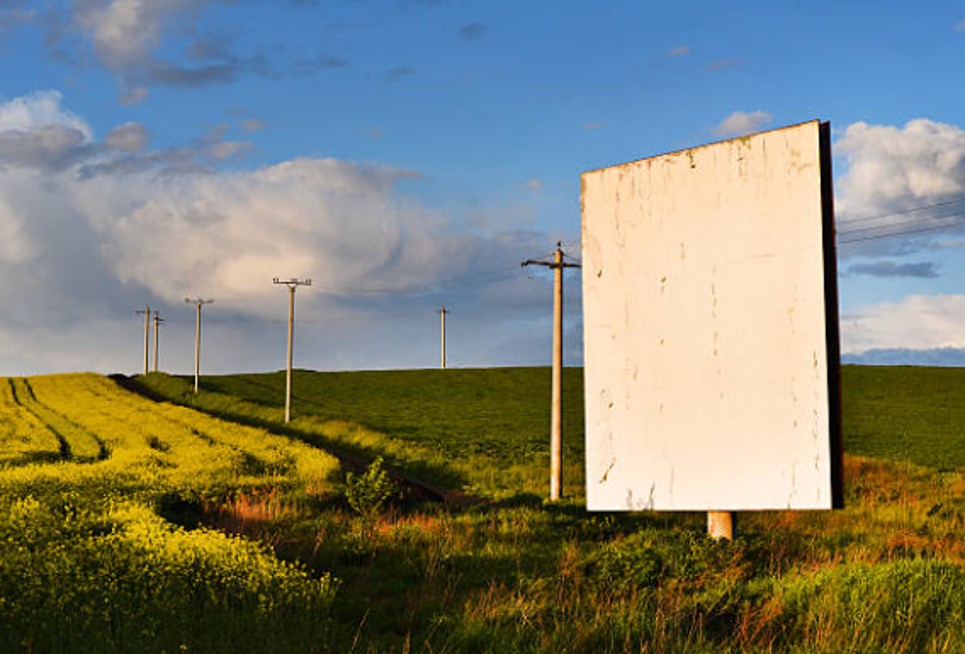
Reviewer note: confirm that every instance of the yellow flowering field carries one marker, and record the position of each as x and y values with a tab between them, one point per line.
88	563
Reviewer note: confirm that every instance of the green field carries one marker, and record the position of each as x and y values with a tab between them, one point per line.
483	432
131	526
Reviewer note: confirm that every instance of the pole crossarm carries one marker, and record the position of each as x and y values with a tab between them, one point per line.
293	282
561	263
550	264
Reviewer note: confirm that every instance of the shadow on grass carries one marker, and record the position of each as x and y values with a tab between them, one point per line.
421	480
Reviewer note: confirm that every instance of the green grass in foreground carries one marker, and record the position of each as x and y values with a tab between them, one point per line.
886	574
905	413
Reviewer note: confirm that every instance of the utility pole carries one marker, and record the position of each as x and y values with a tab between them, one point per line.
157	324
197	339
442	312
556	411
292	284
147	333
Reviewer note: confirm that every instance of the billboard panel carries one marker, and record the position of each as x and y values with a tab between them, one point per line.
710	327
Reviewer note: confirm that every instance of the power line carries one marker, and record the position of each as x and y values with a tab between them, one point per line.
904	228
902	212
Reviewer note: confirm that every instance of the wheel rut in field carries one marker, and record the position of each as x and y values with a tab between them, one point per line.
417	488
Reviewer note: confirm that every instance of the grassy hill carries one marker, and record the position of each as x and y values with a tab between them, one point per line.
102	494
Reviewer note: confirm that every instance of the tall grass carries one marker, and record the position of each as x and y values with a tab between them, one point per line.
510	574
883	575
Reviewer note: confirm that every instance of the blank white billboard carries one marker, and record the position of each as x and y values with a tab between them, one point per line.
710	326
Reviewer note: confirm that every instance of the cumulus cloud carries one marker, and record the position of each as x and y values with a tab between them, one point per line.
36	132
902	181
129	137
740	123
126	37
146	43
83	244
37	110
124	33
324	218
15	245
891	168
917	322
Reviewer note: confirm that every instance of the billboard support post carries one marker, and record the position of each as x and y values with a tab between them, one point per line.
720	525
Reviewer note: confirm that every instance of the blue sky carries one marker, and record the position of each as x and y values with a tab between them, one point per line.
407	154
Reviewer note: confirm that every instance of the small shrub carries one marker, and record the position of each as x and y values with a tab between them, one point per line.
367	492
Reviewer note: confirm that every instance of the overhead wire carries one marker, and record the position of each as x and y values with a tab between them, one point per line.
937	221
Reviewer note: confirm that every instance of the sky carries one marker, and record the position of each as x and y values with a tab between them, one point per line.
407	155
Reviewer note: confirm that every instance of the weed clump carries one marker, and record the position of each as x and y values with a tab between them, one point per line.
366	493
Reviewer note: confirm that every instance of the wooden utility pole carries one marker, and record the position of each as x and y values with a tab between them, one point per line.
147	333
157	324
198	302
556	411
442	312
292	284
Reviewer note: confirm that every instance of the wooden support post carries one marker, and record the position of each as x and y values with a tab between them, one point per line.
720	525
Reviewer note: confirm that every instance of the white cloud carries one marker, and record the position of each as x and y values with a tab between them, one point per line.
15	245
120	226
233	232
679	51
915	322
892	168
36	132
741	122
125	32
40	109
129	137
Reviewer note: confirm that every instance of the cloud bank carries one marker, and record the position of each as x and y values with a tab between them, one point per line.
92	229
